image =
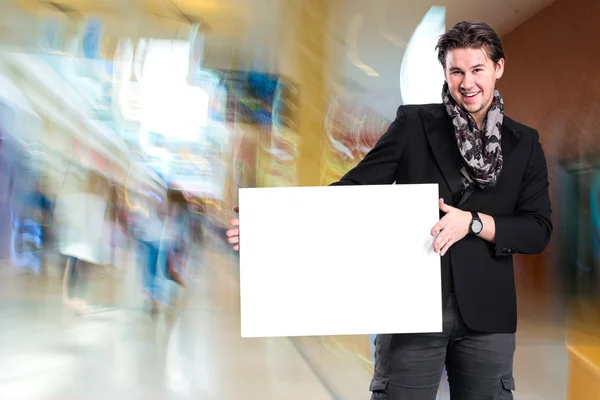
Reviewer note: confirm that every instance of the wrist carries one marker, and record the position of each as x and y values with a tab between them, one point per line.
476	224
489	232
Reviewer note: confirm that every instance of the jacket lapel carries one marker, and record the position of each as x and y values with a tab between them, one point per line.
440	133
510	138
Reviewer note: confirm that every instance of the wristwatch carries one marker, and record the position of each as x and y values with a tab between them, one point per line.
476	224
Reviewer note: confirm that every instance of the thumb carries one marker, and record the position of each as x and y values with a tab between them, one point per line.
444	207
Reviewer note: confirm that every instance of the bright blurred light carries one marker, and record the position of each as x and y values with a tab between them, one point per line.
421	75
172	107
166	61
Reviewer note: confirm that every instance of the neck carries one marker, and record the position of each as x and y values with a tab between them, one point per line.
479	120
480	116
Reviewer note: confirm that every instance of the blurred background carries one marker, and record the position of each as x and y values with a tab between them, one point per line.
128	126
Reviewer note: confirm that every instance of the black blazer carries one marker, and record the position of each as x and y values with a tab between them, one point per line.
420	147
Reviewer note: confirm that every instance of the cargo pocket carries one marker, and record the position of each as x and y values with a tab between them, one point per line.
379	389
507	385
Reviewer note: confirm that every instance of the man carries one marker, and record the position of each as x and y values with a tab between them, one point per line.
493	184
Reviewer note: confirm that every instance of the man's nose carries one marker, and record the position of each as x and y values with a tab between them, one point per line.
468	82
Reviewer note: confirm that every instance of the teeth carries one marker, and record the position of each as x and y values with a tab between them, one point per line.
471	94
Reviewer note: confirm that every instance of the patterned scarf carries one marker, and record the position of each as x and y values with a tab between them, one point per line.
480	149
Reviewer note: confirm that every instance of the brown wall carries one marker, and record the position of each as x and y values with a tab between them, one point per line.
552	78
552	83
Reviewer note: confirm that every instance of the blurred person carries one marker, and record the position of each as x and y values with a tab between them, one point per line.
27	234
177	236
26	239
29	210
149	231
166	241
39	206
493	182
81	213
118	229
199	219
111	216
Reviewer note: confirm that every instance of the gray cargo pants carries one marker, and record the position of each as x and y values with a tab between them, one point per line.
410	366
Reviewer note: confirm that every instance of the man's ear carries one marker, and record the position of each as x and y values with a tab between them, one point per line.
500	68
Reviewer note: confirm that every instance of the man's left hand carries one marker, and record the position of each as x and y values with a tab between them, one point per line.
451	228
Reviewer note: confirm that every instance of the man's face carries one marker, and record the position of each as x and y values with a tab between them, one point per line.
471	77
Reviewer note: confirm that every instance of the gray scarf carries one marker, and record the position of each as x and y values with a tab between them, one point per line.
481	150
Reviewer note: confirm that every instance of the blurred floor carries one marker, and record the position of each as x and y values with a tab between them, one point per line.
194	350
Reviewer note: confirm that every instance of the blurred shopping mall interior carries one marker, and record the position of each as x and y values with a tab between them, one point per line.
112	110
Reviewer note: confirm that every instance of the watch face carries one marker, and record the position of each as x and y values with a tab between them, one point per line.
477	226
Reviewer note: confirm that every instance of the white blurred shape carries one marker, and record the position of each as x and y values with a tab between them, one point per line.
172	107
421	75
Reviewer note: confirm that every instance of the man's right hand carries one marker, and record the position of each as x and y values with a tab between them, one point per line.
233	234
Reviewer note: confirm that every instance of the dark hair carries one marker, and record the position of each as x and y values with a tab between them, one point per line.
473	35
177	197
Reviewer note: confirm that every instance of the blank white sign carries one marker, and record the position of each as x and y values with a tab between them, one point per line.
339	260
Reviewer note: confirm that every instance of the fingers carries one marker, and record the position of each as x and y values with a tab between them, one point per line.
446	229
438	227
441	241
231	233
233	238
444	221
442	244
446	247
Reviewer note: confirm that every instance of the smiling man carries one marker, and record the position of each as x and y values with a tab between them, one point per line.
494	203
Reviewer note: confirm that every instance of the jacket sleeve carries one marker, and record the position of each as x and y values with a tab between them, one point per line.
380	164
529	229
